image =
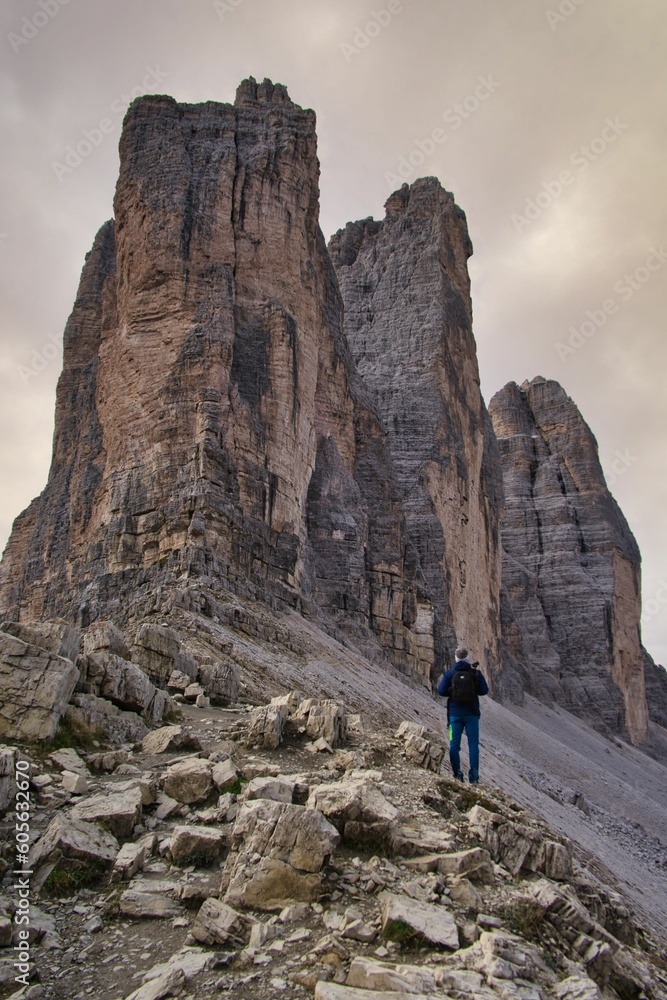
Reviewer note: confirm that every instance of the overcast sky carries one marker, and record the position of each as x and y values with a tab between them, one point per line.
546	119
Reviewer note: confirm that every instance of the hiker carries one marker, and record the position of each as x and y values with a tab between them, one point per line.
462	685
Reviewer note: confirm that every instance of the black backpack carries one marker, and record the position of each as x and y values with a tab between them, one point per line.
464	687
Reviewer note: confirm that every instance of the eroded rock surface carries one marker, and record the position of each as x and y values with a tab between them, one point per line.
571	567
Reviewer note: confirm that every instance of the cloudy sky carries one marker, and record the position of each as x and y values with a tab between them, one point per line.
546	119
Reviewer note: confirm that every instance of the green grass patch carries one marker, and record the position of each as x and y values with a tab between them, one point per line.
523	918
404	935
200	859
237	786
72	734
70	875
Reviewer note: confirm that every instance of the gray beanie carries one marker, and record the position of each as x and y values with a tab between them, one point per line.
461	653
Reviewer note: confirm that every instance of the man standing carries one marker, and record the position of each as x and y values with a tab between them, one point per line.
462	686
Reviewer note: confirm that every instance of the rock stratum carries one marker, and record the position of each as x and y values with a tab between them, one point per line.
247	418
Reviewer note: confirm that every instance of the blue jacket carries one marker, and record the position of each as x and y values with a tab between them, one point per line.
445	687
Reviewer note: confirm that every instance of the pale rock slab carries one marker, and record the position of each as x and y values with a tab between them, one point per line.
217	923
271	884
221	680
204	842
104	635
67	759
129	861
75	839
433	923
577	987
266	725
189	780
118	811
475	863
158	652
140	905
277	789
356	802
74	783
55	637
224	774
35	687
169	739
301	837
332	991
370	974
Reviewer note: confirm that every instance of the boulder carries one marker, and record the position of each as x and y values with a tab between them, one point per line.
301	837
35	687
119	812
577	987
357	806
189	780
282	849
75	839
224	775
433	924
103	635
196	844
277	789
74	783
68	759
158	652
55	637
178	681
126	685
518	845
93	713
476	864
108	761
129	861
221	680
271	885
424	753
217	923
169	739
324	720
266	726
370	974
499	955
332	991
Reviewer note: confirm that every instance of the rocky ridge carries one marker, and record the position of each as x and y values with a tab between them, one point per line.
316	857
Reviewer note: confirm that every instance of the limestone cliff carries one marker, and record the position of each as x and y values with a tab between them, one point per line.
408	320
571	566
209	422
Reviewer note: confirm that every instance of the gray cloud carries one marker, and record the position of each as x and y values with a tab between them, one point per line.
559	78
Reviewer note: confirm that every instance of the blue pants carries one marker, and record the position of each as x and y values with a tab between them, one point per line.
469	723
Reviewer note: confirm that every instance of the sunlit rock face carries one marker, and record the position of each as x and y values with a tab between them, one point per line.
571	566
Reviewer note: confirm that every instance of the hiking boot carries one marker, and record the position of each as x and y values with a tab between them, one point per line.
459	776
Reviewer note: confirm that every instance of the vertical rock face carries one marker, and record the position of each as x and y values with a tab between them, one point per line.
408	320
209	421
571	567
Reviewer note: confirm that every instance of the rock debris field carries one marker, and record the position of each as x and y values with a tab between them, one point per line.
301	849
